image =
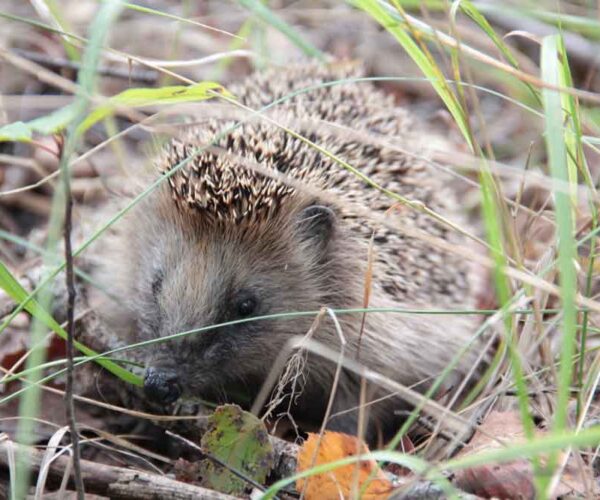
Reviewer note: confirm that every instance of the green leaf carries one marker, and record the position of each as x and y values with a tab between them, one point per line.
16	131
137	97
240	440
45	125
147	96
13	288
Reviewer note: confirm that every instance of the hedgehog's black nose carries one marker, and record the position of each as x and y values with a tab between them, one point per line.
161	385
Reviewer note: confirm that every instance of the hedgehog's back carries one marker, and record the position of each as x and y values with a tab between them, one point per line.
350	121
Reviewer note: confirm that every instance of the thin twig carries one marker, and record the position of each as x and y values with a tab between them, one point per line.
70	406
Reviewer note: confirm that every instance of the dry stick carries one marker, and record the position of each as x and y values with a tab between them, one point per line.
142	76
114	482
54	79
200	61
70	406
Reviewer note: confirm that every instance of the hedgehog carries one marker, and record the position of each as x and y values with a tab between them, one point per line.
253	221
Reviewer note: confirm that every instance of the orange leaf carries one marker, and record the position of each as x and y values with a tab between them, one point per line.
340	482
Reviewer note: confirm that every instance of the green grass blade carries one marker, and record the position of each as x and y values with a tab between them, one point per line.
77	360
572	124
470	10
557	156
266	15
16	131
40	25
586	26
422	60
184	20
54	12
45	125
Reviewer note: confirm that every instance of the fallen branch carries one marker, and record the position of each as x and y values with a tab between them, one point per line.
110	481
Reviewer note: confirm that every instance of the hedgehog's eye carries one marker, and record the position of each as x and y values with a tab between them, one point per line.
246	306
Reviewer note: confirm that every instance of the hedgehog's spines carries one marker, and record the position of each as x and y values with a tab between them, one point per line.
221	189
353	121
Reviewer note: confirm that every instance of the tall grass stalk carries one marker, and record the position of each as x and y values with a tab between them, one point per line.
557	158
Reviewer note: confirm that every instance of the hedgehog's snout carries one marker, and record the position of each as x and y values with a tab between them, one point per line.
161	385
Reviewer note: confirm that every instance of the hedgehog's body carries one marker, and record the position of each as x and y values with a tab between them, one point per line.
221	242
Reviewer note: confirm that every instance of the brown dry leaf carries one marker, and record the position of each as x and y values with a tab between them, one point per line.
340	482
498	429
186	471
512	479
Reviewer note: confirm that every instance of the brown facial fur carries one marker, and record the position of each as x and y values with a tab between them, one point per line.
217	232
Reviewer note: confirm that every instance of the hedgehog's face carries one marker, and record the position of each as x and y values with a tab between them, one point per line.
226	277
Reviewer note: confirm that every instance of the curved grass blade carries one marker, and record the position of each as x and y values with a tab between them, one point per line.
13	288
45	125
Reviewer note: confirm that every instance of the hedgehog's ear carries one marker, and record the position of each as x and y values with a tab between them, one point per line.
317	223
